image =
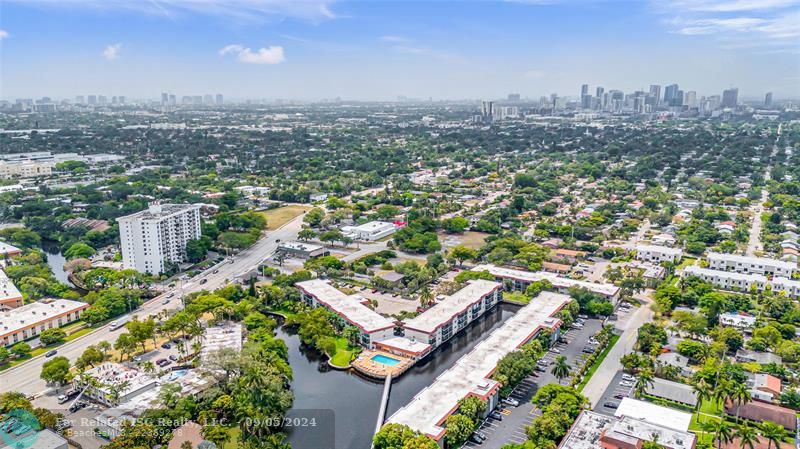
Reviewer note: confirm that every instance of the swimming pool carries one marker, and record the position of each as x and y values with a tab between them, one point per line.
380	358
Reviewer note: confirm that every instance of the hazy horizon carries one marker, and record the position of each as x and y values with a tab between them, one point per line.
376	51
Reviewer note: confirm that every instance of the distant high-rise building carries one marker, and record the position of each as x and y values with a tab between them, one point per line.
584	90
219	99
586	101
101	99
553	101
730	97
79	99
690	99
513	97
768	99
186	99
164	98
173	100
122	99
599	92
655	92
197	99
92	99
208	99
671	94
114	99
487	111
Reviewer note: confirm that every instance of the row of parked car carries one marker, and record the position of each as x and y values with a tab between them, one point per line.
479	437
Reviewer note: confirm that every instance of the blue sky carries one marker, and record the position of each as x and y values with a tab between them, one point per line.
310	49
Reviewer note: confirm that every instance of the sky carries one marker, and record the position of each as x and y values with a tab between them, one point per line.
382	49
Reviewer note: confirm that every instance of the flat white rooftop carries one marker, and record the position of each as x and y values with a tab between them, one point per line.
372	226
405	344
429	408
350	307
110	374
219	337
301	246
452	305
659	249
721	274
557	281
159	212
8	290
590	426
656	414
764	261
37	312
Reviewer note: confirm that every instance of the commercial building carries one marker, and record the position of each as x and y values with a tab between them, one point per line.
32	439
156	237
302	250
10	297
115	383
471	374
740	321
369	232
352	308
516	280
748	264
453	313
226	336
31	319
730	98
658	254
596	431
759	411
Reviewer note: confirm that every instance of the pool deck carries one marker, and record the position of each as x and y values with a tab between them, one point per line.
365	365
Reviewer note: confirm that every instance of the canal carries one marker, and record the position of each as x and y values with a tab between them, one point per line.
56	261
355	400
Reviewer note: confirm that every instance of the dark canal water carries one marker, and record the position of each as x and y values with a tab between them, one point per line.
56	260
355	400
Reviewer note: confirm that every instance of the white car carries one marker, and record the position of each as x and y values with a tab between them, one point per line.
628	377
626	383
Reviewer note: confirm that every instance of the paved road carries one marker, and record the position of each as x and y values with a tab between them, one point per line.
612	395
754	244
25	377
605	373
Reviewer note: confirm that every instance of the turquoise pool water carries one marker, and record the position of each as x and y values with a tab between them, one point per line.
385	360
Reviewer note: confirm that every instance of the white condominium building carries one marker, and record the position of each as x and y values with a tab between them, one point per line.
744	282
155	237
747	264
658	254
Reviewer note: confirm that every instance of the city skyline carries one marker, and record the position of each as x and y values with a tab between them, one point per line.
310	50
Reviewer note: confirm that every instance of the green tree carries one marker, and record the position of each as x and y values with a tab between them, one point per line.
459	428
79	250
748	436
196	250
455	225
21	349
314	217
774	433
462	253
52	336
473	407
306	234
643	381
561	368
56	370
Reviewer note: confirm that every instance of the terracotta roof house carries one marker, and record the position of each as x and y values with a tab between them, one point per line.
759	412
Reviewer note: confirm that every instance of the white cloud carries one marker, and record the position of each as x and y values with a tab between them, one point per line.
428	52
721	6
240	10
390	38
3	34
268	55
112	52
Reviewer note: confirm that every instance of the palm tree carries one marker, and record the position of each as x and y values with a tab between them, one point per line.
723	391
740	395
748	436
425	297
723	434
561	368
703	391
644	380
774	433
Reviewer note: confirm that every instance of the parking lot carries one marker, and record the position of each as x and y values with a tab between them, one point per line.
614	393
512	428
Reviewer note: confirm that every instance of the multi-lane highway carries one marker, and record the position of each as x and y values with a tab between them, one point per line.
25	377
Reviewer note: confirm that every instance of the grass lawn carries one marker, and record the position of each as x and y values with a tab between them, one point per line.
344	353
685	262
280	216
611	342
470	239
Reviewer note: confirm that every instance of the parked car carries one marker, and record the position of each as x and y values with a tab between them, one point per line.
610	405
628	377
626	383
495	415
203	281
475	439
162	362
77	406
137	359
555	350
511	401
173	357
165	301
620	396
215	271
166	345
480	434
587	350
583	317
51	353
